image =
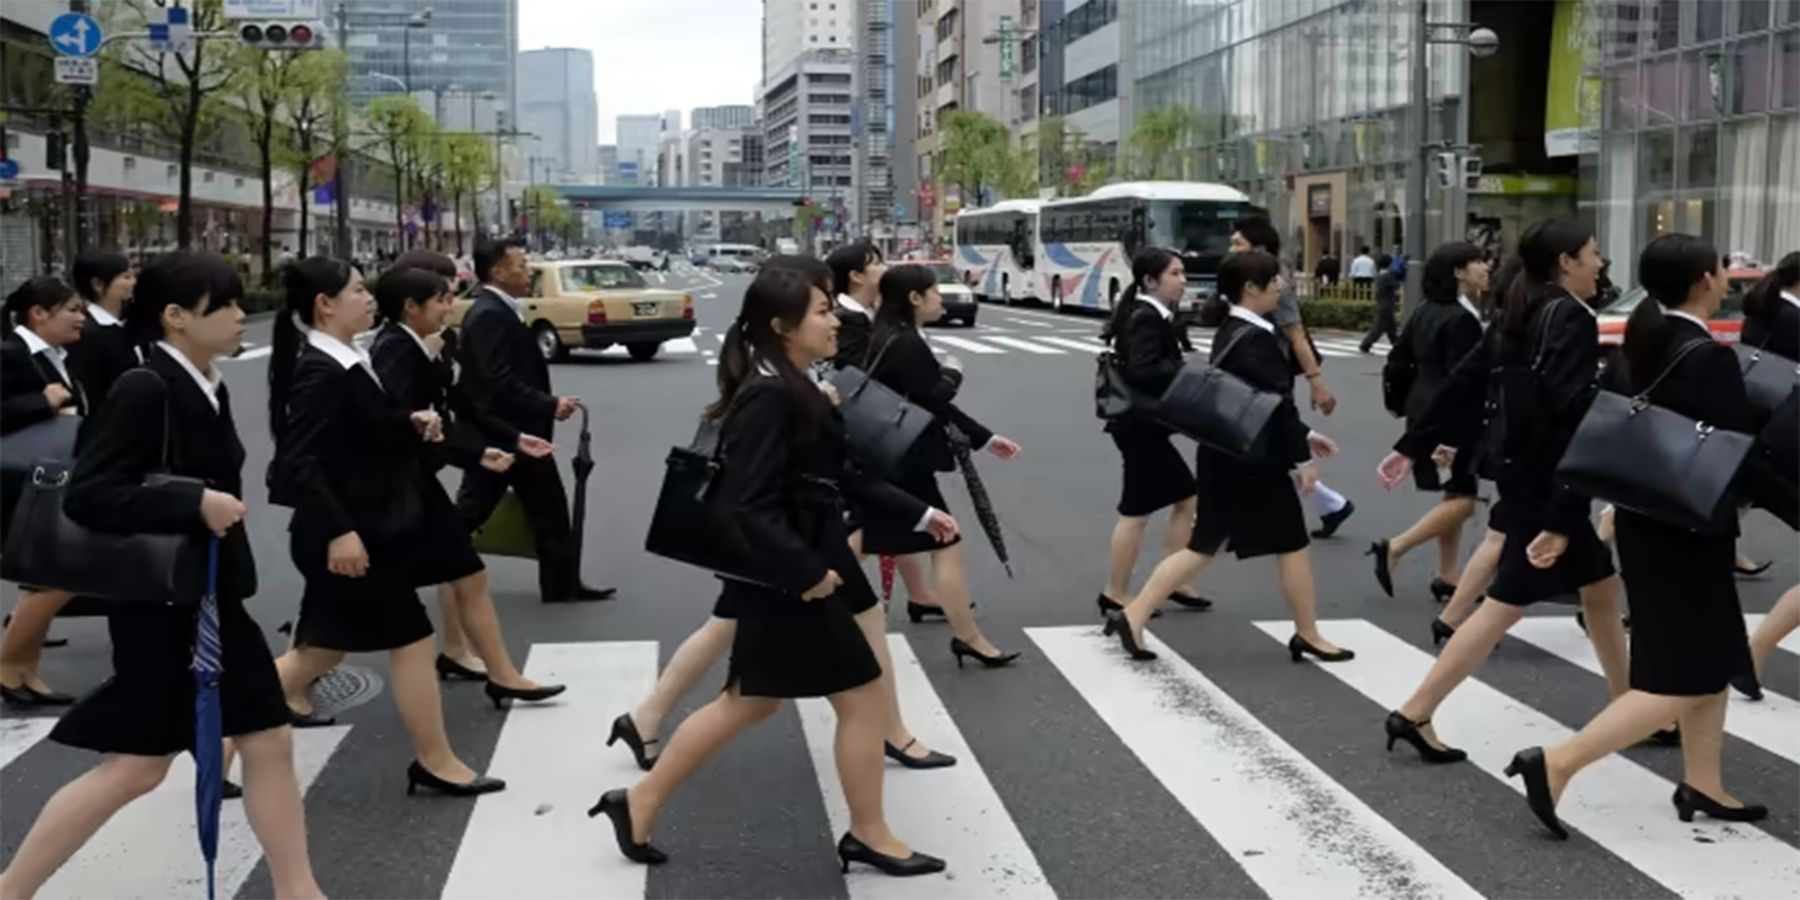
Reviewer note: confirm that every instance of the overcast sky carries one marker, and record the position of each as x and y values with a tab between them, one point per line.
653	55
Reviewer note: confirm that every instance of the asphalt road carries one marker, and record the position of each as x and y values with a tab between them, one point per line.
1222	770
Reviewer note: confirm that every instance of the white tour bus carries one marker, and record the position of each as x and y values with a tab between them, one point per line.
996	251
1086	244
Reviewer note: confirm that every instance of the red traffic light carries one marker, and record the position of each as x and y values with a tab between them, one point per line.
300	34
280	35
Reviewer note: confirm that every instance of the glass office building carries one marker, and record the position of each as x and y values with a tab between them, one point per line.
467	46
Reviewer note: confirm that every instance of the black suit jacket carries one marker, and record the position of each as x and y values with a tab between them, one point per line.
908	366
853	338
125	444
1437	337
1265	360
23	377
99	358
504	373
1148	349
1777	331
417	381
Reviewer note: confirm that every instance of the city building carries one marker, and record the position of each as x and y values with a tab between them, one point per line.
607	156
872	121
468	45
1091	85
791	27
639	139
557	106
956	65
739	115
807	130
713	157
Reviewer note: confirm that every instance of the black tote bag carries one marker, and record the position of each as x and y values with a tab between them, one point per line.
1114	397
1768	377
52	440
881	426
1217	408
1655	461
687	525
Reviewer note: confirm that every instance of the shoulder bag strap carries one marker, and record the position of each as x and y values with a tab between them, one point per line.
1226	351
1543	332
1689	347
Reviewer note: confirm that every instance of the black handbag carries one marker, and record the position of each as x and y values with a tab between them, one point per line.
1114	397
1768	377
880	424
1514	400
1655	461
1217	408
51	440
1398	375
47	548
687	526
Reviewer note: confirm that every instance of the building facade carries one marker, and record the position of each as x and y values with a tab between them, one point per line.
469	45
872	120
807	130
956	65
607	156
739	115
639	139
790	27
557	106
1091	82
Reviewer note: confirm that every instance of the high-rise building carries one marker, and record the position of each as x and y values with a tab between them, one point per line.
955	66
1092	87
466	46
731	116
809	103
607	155
557	105
793	26
872	118
639	139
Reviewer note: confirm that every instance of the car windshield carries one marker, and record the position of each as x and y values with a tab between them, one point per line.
600	278
945	275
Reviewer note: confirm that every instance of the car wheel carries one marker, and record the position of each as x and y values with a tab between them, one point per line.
643	351
969	320
550	346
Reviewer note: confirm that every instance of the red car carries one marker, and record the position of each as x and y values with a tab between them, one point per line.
1726	324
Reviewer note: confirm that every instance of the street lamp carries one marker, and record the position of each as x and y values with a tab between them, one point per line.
1482	42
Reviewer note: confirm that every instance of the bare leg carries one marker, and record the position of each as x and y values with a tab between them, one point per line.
1175	570
1475	578
475	610
74	813
703	734
299	668
951	581
861	720
1606	629
272	802
706	646
1781	622
1295	574
1127	540
874	627
422	709
920	588
1465	653
23	642
1625	721
450	629
1449	541
1444	518
1176	533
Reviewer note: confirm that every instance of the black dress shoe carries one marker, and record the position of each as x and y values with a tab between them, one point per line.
584	594
1182	598
48	642
1442	590
1299	648
1667	737
1529	763
1328	523
918	611
850	850
931	760
231	791
1441	631
959	649
1108	604
624	729
500	693
309	720
618	809
448	668
1689	801
1116	623
1383	577
1401	728
417	777
26	695
1748	685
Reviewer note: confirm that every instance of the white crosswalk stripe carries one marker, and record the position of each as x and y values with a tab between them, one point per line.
1088	346
964	344
17	735
1026	346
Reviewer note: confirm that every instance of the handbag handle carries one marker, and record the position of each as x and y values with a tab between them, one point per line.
1543	332
1642	398
1226	350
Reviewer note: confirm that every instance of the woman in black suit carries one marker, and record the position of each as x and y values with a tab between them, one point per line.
1772	322
105	280
1146	345
1546	348
1687	637
347	462
797	635
900	359
36	385
1438	334
1249	504
173	415
415	303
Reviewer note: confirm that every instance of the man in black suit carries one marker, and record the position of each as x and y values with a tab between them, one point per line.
507	376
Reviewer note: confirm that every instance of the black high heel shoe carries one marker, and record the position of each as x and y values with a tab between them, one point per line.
959	649
850	850
1748	684
618	809
1441	631
918	612
624	729
1401	728
1189	601
1116	623
1667	737
1529	763
931	760
500	693
26	695
1689	801
1383	576
1442	590
1299	648
448	668
1108	604
417	777
309	720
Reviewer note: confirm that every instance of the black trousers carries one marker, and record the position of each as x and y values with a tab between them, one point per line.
539	484
1384	324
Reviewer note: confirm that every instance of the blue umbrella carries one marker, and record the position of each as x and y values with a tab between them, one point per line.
209	741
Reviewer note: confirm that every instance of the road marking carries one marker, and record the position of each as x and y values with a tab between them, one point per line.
534	839
18	735
953	812
1091	345
680	345
150	848
1032	323
1790	643
1295	831
1773	724
1615	802
1022	344
964	344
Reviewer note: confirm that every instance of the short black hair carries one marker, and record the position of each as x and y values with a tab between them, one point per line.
45	292
402	283
489	253
93	265
431	261
1239	269
181	278
1364	250
1260	233
848	259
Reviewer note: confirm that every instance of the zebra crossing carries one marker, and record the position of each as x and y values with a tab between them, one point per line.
1286	816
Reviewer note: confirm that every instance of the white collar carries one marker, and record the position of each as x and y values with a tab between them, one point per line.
511	301
416	339
101	315
1683	314
767	370
1789	297
208	381
1157	305
850	303
37	344
1238	312
346	355
1469	305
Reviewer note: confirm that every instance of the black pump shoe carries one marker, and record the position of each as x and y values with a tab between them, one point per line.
26	695
850	850
1748	684
1754	570
624	729
1299	648
1328	524
417	777
1189	601
1401	728
618	809
1116	623
1383	576
1108	604
309	720
1441	631
448	668
918	612
500	693
959	649
1529	763
1689	801
931	760
1442	590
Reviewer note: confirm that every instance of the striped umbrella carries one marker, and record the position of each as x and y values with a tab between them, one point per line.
209	742
978	495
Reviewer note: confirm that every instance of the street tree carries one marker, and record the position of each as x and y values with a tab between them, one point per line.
468	165
399	130
318	101
286	99
978	155
1155	138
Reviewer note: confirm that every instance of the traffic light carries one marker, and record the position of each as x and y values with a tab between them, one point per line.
1471	172
264	35
55	150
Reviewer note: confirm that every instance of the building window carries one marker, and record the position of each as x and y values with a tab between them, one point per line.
1089	18
946	72
1091	89
1028	55
946	26
1028	102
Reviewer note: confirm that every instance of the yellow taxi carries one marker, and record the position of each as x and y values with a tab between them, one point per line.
596	303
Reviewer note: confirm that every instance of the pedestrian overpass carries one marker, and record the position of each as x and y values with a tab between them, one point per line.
623	198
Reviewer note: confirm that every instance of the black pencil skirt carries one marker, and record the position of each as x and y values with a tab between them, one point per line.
1519	583
1250	509
1155	476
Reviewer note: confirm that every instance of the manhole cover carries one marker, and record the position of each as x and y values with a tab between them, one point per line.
345	687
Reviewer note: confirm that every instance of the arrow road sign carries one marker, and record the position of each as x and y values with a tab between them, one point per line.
9	169
75	34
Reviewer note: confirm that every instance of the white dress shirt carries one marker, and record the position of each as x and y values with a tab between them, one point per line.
1684	314
850	303
517	307
1469	305
1238	312
208	380
1157	305
347	355
1362	267
37	345
1789	297
101	315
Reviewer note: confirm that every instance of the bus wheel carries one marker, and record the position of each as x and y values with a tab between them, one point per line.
1112	294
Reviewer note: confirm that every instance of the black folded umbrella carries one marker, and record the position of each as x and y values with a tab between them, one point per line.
978	495
583	465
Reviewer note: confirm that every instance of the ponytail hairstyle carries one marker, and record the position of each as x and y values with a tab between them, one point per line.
1540	253
302	283
1498	284
897	310
1149	264
1761	299
93	265
45	292
1440	270
1667	270
198	281
781	293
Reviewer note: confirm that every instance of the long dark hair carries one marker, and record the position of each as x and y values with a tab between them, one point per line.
1541	250
1760	300
94	264
783	294
184	278
897	310
1667	270
818	272
1498	284
1151	263
1440	270
302	282
45	292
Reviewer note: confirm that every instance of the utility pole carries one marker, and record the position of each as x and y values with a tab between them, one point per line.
340	196
1415	245
80	227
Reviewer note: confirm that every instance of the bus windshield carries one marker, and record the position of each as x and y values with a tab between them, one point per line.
1199	230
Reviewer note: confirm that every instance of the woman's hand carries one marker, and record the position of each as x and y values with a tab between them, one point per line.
428	425
1003	447
1444	456
1546	549
57	395
941	526
826	586
1307	475
495	459
220	511
1393	468
346	556
1321	446
535	447
831	392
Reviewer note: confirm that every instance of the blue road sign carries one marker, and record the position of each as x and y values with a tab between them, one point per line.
9	169
75	34
615	218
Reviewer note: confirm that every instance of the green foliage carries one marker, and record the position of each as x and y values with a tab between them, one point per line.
1350	315
978	153
1070	163
1155	137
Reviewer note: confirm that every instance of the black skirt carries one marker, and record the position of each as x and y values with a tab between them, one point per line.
147	707
886	535
379	611
1250	509
789	647
1155	476
1519	583
1461	483
449	553
1687	629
